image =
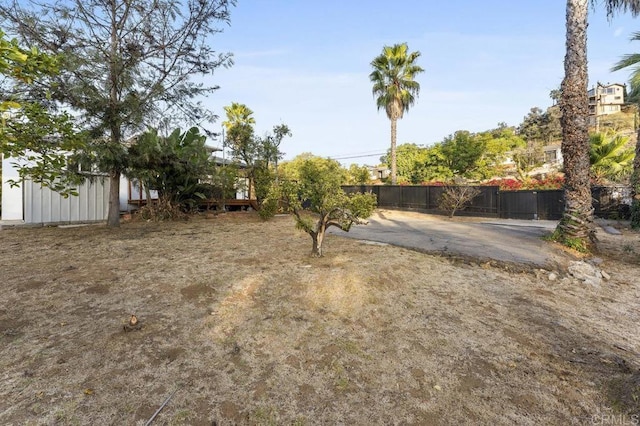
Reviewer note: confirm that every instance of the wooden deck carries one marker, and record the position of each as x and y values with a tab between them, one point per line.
209	204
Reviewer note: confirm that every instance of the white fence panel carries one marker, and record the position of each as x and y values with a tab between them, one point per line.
42	205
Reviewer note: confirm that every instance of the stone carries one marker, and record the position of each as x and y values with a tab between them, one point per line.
606	276
611	230
585	272
552	277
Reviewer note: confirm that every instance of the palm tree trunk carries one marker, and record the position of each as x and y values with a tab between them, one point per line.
394	166
635	187
576	226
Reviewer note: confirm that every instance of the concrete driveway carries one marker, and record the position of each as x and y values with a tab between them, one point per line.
503	240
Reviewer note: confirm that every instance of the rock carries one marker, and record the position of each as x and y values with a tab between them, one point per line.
585	272
593	281
611	230
606	276
552	277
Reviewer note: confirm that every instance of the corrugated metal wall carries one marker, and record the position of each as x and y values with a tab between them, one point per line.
42	205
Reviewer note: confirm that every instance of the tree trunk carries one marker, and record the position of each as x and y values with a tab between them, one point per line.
576	226
394	166
635	187
113	217
316	250
147	193
318	239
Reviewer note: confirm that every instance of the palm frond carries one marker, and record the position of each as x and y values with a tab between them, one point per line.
614	6
393	78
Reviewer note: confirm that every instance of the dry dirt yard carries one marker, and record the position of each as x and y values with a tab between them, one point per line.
241	326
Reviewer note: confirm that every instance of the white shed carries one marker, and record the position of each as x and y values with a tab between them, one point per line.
30	203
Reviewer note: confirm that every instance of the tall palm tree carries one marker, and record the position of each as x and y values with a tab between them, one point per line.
633	60
395	88
238	113
576	226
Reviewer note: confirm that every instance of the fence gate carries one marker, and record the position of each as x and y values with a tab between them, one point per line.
518	204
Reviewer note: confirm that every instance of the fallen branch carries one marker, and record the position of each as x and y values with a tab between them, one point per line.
166	401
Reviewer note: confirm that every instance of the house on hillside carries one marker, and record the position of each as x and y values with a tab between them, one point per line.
378	173
552	154
605	99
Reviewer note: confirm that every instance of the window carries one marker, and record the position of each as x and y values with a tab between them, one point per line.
551	156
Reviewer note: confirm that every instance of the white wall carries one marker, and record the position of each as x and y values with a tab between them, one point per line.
42	205
31	203
11	197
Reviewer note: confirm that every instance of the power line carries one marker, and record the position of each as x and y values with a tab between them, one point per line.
359	154
347	157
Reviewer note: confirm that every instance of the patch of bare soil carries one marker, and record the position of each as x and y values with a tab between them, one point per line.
246	328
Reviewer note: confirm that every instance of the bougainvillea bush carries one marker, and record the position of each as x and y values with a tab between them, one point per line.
553	182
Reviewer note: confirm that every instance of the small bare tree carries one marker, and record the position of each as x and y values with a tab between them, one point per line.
456	197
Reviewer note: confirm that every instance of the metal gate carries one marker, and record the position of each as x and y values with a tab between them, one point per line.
543	205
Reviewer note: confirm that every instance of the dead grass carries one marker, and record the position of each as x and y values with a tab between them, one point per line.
248	329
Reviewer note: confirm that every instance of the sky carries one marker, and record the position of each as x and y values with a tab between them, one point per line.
307	63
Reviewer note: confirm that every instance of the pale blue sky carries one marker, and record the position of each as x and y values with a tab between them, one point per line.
306	64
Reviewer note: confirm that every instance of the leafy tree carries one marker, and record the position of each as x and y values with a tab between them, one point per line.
318	203
531	127
576	227
358	175
610	157
463	153
144	156
21	65
125	64
526	158
258	154
273	152
173	165
633	60
540	127
41	144
290	170
411	162
435	168
395	88
36	139
551	125
498	143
